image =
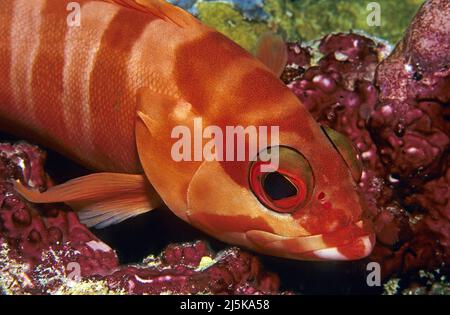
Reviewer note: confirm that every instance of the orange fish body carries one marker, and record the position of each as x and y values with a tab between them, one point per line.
109	93
53	74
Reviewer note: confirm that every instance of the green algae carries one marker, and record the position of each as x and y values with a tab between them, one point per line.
308	20
230	22
315	18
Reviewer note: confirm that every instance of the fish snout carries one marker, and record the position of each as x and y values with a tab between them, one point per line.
349	243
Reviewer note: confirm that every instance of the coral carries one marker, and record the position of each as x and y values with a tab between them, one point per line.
316	18
410	128
225	19
46	250
188	5
242	21
396	114
246	21
421	283
340	93
250	9
409	123
299	59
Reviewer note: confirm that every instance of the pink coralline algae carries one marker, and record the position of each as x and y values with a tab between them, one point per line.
410	123
396	113
46	250
339	90
411	129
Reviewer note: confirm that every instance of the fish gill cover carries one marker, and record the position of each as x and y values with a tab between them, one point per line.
393	108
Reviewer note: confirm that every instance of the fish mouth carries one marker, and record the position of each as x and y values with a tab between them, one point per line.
350	243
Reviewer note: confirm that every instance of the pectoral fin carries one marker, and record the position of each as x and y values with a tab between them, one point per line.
100	199
272	51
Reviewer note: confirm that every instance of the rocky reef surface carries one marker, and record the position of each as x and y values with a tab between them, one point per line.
394	107
245	21
397	116
45	249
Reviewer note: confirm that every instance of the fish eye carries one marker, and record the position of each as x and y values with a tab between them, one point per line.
285	187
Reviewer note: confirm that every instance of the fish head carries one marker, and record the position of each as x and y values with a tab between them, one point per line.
301	203
304	207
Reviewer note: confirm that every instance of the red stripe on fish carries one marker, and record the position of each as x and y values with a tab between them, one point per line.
109	79
48	72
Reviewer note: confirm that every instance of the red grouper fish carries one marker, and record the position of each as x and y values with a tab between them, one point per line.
106	83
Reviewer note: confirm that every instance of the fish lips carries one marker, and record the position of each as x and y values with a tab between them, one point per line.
313	247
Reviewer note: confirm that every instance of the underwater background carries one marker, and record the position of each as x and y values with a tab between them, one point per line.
245	21
349	83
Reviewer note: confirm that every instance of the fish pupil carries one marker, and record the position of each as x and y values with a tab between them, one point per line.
277	186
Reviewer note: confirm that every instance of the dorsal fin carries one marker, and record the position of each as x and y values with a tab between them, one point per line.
272	51
161	9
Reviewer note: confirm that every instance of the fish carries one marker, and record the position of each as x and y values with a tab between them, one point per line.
105	82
